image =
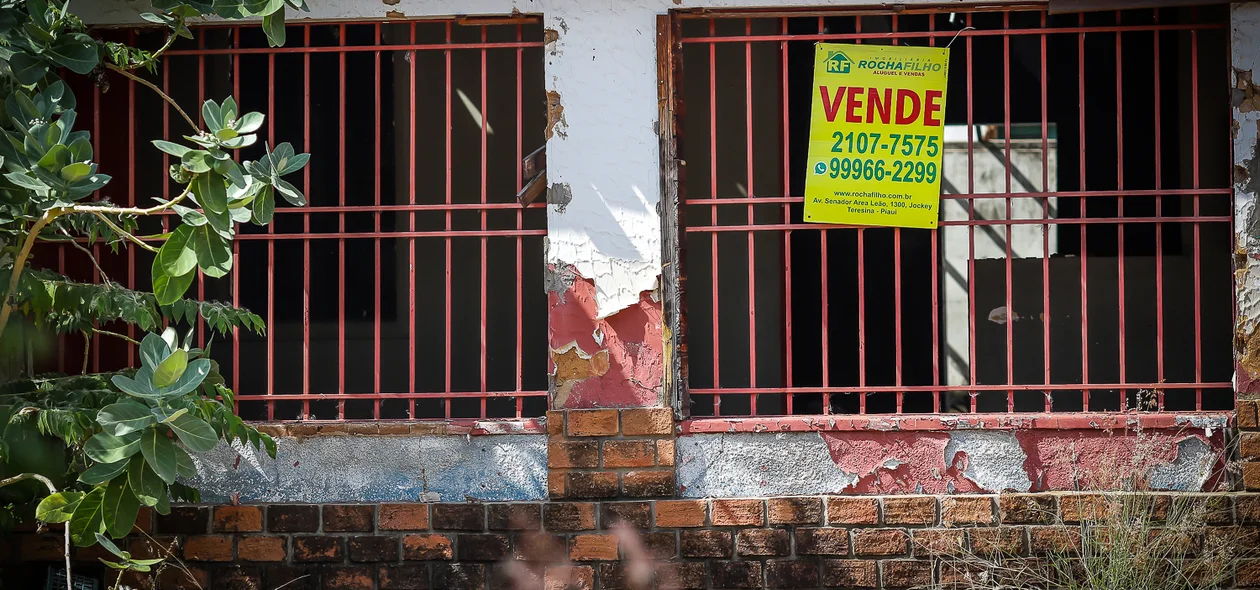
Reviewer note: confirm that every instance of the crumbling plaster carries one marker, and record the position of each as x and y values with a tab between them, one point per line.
1245	49
378	469
959	461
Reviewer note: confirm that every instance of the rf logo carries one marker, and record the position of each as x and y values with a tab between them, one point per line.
838	62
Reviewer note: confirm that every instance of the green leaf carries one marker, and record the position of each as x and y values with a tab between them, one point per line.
57	157
153	350
273	26
58	507
211	193
28	69
213	115
177	258
159	453
88	518
120	507
195	433
163	505
249	123
290	193
76	172
124	417
143	482
111	547
139	387
167	418
104	447
171	369
264	206
292	164
166	288
214	254
173	149
184	466
102	472
192	377
232	171
196	161
226	133
76	51
25	181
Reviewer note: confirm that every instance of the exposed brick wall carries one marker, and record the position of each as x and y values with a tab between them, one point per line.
805	542
598	454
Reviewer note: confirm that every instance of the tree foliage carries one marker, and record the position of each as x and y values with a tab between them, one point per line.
114	442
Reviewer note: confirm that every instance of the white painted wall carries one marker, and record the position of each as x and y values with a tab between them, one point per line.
604	68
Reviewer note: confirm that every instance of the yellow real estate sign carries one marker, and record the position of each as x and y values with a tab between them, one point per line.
876	135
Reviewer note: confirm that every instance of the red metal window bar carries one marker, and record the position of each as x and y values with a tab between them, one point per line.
1083	259
402	290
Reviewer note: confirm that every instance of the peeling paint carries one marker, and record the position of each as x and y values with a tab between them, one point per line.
558	196
378	469
616	361
555	116
749	464
1245	127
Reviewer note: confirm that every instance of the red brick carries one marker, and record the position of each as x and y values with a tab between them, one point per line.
636	515
349	578
313	548
763	542
514	517
1048	539
1248	507
1026	508
403	517
373	549
427	547
736	574
153	547
879	542
956	510
665	453
706	543
208	548
791	573
183	578
811	541
910	510
850	573
482	547
42	548
190	520
906	573
591	484
569	577
738	513
459	576
1247	414
298	518
681	576
629	453
1087	507
647	422
592	423
260	548
1251	476
593	547
237	578
1247	573
403	577
572	454
680	513
568	516
648	484
795	510
660	544
237	519
930	542
459	517
555	422
348	517
849	510
1249	445
1005	541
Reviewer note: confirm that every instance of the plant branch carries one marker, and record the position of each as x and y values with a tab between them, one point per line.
154	88
104	277
170	40
117	335
122	232
51	490
6	309
138	211
87	347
